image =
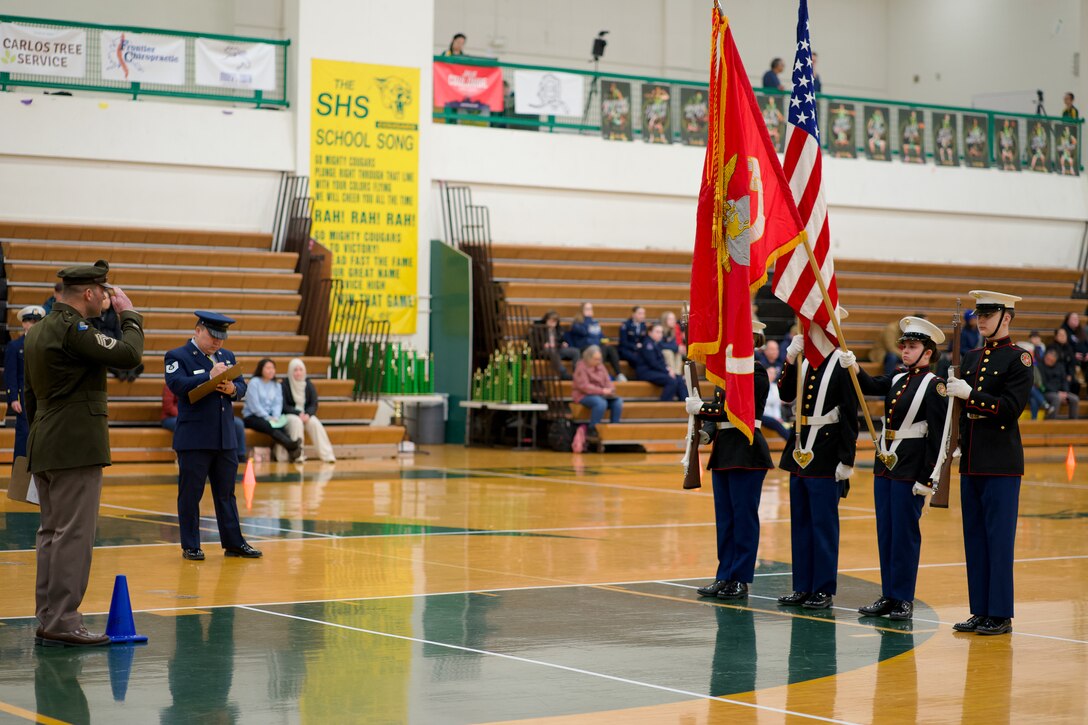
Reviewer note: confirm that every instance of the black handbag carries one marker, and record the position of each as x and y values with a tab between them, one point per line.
560	434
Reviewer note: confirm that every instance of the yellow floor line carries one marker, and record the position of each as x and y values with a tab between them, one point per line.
31	716
761	611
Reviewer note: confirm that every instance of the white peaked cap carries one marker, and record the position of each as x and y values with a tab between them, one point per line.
985	297
916	327
758	327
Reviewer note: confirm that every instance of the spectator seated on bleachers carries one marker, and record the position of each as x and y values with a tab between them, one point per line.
586	331
672	343
1056	385
300	399
885	349
1078	338
593	389
1067	359
770	357
548	343
772	410
652	367
170	419
263	412
48	304
1036	400
632	333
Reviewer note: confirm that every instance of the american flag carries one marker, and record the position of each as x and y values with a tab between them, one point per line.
794	281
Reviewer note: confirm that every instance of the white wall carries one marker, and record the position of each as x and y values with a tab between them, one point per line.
85	160
581	190
958	48
868	48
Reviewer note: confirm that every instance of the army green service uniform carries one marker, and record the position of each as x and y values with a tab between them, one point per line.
65	389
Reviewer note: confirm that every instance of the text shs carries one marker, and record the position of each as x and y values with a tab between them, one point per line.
338	105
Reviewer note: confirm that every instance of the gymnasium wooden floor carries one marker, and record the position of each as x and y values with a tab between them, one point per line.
470	585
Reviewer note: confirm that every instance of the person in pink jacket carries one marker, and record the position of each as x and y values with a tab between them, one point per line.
594	389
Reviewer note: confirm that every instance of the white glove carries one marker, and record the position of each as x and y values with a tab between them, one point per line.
796	347
843	472
704	438
693	405
920	489
848	359
957	388
956	453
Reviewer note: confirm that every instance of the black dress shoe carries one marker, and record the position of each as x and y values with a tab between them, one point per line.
192	554
969	625
878	608
711	590
735	590
903	610
795	599
818	600
245	551
76	638
38	635
994	625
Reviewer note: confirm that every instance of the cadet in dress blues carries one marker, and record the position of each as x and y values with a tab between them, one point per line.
915	408
995	384
828	441
737	469
14	373
205	437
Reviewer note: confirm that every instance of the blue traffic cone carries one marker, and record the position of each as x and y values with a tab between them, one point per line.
121	627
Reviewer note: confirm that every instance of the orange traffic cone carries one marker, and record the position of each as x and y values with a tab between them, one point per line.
1070	464
249	484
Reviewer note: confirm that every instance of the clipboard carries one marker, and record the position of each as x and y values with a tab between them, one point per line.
22	487
208	386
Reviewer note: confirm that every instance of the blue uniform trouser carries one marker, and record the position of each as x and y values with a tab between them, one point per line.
814	533
221	468
22	432
990	505
671	387
736	511
898	536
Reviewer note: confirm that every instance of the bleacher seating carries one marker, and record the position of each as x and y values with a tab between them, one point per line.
875	293
168	274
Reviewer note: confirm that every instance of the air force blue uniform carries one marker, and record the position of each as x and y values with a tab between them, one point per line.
13	381
206	444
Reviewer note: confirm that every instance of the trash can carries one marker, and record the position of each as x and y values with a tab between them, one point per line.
425	423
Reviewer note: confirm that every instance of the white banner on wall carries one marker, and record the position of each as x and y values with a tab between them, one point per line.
547	93
140	58
235	65
43	51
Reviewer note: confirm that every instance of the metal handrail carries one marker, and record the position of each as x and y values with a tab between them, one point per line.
136	89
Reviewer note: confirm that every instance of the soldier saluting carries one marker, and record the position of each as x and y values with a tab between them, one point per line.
65	394
997	379
915	408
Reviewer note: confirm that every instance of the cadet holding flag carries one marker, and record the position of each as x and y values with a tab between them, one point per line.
69	443
915	405
997	379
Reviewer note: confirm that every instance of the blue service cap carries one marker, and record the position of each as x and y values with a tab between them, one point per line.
215	323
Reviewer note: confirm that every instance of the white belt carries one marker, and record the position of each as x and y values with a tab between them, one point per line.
725	425
831	417
917	430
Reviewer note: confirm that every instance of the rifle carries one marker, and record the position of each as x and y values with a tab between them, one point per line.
951	424
692	469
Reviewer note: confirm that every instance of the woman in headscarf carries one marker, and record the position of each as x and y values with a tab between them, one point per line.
300	398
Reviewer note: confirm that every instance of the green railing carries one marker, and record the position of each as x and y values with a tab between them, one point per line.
1030	142
93	80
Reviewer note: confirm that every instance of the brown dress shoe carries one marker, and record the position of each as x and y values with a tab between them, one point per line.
76	638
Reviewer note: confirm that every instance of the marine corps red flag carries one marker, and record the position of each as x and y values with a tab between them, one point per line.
746	219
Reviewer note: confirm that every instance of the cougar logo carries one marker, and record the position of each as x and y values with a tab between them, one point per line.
396	94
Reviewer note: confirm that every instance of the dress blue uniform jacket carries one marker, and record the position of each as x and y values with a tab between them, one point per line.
13	370
632	336
207	424
836	442
651	362
1001	376
916	457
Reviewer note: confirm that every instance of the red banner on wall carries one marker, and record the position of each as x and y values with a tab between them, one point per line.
456	83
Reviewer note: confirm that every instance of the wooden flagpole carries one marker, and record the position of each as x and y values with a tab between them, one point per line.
842	341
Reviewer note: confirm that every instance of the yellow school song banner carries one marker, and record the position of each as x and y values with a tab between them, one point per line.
364	164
